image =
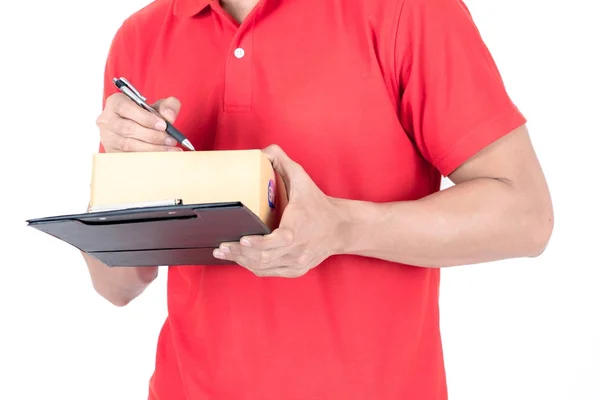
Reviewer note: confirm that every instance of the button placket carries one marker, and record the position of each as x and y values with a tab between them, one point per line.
238	75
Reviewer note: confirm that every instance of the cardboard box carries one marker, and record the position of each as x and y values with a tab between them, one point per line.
214	196
201	177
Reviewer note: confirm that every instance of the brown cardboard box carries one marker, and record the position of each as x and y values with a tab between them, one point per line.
201	177
223	195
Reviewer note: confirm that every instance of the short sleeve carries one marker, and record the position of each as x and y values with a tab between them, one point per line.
117	64
453	100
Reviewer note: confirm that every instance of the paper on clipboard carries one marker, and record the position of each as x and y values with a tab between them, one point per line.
143	204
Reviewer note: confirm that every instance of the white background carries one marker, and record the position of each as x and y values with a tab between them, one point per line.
519	330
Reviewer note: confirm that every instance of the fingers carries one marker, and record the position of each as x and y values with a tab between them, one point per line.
251	258
126	127
281	272
168	108
282	164
258	250
262	255
122	143
266	263
122	106
281	237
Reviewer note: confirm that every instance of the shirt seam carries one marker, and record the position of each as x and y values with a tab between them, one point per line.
487	129
125	27
395	38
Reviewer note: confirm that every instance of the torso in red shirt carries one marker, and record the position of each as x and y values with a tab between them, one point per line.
376	99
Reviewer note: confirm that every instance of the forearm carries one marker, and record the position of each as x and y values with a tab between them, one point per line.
478	221
119	285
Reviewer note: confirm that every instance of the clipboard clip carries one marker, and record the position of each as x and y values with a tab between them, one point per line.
142	204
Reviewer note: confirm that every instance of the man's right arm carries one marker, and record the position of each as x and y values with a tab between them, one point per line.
119	285
126	127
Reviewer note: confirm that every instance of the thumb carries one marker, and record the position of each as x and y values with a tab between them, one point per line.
168	108
282	164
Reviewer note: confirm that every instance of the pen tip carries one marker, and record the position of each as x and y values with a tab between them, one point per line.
187	144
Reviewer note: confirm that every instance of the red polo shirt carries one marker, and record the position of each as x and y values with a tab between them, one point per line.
377	100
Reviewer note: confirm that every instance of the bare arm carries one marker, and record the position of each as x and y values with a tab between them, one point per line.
499	208
125	127
119	285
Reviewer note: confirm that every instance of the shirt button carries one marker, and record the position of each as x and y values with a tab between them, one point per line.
239	52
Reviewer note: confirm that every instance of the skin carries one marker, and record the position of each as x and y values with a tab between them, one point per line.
499	208
126	127
238	9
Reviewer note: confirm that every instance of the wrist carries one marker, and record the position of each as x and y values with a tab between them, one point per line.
348	227
146	274
358	225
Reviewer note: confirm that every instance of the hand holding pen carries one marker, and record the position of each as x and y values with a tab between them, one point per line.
128	124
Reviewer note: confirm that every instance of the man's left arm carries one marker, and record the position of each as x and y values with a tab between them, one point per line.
499	208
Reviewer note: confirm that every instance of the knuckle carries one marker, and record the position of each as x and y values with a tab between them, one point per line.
118	106
157	138
150	120
275	148
300	272
116	124
280	273
127	144
259	272
304	259
101	120
254	266
171	102
264	257
288	237
108	140
104	140
111	100
126	128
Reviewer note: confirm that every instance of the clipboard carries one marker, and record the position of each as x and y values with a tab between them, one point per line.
155	235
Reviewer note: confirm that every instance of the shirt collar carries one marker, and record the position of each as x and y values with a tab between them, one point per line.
189	8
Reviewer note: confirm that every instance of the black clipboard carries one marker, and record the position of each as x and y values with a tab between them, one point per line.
157	235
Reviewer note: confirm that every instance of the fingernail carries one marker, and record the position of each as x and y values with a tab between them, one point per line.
169	141
160	125
245	242
218	254
224	250
174	149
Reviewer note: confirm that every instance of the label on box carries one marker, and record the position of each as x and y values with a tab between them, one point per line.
271	193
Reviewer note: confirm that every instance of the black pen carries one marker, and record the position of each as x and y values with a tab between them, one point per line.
127	88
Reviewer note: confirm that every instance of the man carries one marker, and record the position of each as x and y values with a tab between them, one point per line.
361	106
